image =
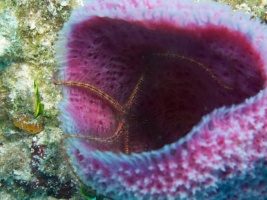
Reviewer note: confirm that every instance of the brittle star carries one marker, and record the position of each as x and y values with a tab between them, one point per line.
124	109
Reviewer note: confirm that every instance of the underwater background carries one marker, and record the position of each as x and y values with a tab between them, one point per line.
31	163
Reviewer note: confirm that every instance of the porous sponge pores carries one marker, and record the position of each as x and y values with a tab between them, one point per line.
188	63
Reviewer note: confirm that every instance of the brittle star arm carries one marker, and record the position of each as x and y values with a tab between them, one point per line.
212	75
122	109
105	96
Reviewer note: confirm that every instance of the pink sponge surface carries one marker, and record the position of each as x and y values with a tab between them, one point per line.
222	158
180	61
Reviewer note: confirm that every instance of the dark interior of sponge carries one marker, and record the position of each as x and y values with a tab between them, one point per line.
178	74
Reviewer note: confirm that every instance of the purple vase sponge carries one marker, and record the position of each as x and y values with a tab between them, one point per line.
165	99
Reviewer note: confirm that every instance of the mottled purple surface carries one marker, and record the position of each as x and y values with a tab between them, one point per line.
138	77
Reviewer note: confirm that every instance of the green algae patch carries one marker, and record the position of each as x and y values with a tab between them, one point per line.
39	107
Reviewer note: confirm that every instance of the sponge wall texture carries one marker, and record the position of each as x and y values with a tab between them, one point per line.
202	74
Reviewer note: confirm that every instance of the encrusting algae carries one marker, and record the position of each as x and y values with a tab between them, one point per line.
27	34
